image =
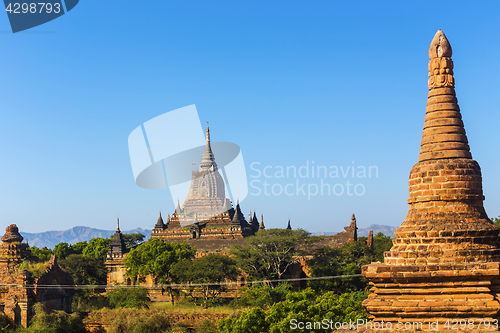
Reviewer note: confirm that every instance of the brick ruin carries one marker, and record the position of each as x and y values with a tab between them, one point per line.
445	259
20	290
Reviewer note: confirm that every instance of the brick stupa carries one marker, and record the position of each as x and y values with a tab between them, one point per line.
444	263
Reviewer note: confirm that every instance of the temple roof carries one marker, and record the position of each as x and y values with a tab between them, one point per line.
159	224
261	226
254	222
12	234
117	245
238	218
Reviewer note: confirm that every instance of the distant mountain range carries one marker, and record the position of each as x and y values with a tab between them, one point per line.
385	229
74	235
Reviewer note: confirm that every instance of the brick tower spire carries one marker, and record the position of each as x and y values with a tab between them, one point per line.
446	213
445	259
444	133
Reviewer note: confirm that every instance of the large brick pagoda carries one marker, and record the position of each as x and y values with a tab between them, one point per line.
445	259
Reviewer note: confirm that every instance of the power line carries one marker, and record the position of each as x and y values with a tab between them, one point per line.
173	285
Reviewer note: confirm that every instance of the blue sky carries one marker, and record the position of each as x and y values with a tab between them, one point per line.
290	82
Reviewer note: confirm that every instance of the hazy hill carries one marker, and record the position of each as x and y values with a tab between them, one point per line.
73	235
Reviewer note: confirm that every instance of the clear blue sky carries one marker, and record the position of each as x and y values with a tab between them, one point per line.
290	82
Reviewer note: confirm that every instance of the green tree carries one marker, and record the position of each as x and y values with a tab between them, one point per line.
132	240
87	271
209	271
269	253
346	260
305	306
62	250
496	221
54	321
42	254
78	248
381	244
136	298
97	248
155	258
262	296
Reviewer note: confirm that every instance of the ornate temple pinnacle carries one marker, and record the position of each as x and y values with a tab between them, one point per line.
208	158
444	133
440	47
117	224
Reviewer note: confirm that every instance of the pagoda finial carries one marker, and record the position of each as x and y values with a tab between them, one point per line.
440	46
289	227
178	208
208	159
444	133
117	224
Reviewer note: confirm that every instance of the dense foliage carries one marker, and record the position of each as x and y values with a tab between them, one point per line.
42	254
346	260
97	248
496	221
155	258
208	272
262	296
268	307
135	298
305	305
132	240
269	253
54	321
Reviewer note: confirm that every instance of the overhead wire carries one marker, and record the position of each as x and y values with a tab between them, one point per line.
172	285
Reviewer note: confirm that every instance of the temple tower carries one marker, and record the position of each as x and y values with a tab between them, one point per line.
207	196
117	246
12	249
444	263
352	230
261	225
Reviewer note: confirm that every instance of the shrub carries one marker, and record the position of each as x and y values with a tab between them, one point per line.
86	301
206	326
136	298
263	296
133	321
49	321
35	268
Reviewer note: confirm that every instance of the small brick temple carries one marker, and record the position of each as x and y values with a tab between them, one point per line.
444	263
